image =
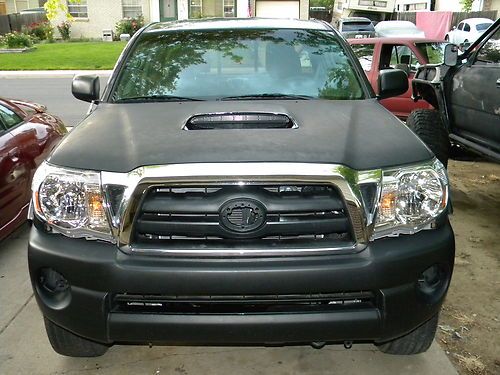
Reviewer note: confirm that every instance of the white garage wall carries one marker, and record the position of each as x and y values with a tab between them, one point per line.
278	9
242	8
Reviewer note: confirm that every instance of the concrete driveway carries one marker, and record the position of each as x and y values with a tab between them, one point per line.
24	347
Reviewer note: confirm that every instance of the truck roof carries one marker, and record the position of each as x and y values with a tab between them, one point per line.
237	23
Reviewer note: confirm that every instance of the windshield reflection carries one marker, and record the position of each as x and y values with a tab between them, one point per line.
215	64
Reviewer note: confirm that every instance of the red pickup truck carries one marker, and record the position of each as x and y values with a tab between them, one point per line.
376	54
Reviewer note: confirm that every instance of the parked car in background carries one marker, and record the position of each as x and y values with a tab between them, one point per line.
377	54
398	29
356	27
27	136
465	92
468	30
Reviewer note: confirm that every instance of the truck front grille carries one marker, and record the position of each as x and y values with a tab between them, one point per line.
256	304
248	216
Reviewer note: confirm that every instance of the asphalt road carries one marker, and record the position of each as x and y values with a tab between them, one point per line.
24	347
53	92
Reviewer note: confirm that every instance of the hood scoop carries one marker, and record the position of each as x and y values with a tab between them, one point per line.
240	120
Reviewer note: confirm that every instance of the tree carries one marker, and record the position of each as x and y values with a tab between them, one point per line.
466	5
53	7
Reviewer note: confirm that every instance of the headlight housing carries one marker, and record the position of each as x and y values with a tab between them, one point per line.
411	199
71	201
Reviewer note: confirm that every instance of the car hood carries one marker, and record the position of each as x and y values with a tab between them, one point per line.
360	134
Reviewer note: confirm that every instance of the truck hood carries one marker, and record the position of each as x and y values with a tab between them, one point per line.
360	134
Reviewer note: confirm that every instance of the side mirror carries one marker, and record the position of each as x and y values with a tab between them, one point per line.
465	45
86	88
392	82
454	28
451	55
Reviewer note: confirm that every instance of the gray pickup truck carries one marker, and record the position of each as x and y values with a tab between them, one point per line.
465	94
238	182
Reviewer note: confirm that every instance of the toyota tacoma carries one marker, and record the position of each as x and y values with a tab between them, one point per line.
238	182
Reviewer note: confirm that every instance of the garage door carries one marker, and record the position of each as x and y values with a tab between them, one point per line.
277	9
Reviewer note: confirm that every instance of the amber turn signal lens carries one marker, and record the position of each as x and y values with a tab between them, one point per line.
387	203
96	207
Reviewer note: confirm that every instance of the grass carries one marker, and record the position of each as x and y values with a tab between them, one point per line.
65	56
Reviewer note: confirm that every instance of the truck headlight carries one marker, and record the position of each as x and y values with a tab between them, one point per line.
411	199
70	201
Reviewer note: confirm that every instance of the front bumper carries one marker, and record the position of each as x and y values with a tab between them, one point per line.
96	272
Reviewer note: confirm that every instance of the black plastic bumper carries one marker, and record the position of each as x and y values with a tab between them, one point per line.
390	268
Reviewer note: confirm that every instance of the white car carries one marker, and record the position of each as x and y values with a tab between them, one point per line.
468	30
400	29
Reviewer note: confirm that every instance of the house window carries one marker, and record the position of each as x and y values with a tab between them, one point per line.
21	5
229	8
78	9
373	3
212	8
195	8
131	8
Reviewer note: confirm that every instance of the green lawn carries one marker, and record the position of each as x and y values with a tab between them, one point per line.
64	56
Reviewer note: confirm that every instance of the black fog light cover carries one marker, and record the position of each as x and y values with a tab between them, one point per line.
53	288
433	283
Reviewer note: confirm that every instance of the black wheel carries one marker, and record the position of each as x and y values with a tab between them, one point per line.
71	345
417	341
427	124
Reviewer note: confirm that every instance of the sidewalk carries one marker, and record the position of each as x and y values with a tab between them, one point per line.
50	73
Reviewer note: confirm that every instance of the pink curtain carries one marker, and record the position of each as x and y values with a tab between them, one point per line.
434	24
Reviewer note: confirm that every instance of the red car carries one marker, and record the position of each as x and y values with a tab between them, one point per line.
27	136
376	54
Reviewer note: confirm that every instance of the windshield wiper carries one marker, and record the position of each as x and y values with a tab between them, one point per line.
156	98
268	96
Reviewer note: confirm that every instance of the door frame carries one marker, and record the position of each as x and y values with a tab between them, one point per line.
162	19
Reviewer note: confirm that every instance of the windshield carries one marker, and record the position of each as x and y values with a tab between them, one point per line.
213	65
432	52
482	26
357	26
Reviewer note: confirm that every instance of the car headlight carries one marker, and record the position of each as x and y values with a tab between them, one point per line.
411	199
70	201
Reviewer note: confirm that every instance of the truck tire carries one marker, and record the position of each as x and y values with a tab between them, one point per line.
417	341
71	345
427	124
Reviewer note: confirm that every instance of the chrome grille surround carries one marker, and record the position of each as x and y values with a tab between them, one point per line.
138	181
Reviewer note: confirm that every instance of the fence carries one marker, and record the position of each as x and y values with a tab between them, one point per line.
460	16
324	15
16	21
405	16
456	17
4	25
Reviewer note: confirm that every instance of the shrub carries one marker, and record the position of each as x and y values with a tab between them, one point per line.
17	40
65	30
129	25
41	31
